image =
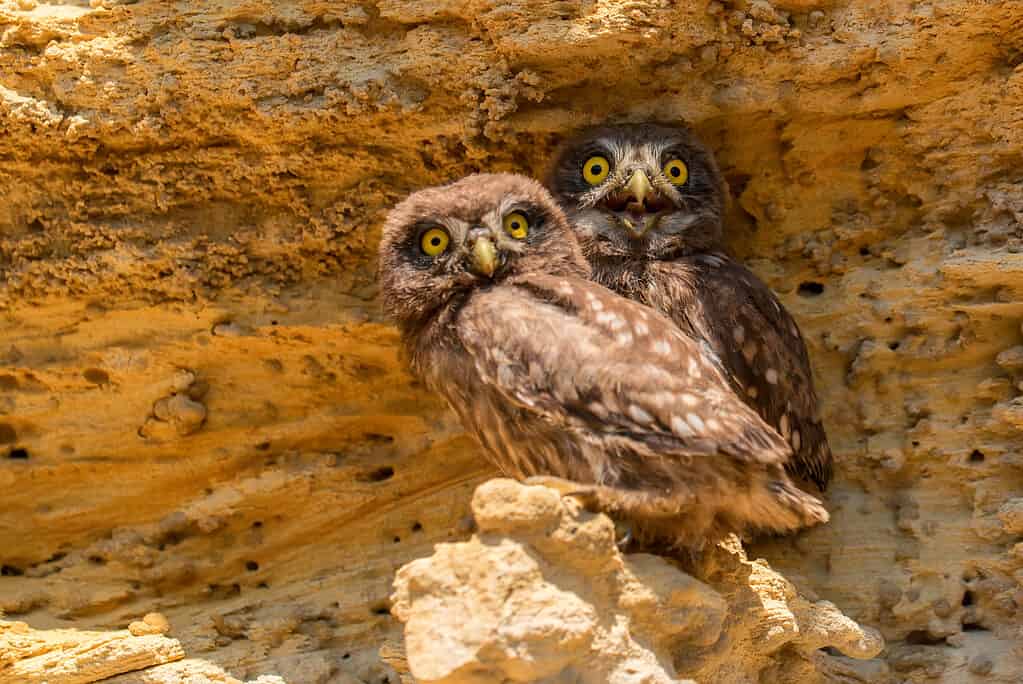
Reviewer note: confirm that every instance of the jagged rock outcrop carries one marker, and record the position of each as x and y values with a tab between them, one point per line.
203	414
541	594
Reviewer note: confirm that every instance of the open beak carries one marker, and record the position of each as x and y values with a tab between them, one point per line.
639	188
484	257
637	205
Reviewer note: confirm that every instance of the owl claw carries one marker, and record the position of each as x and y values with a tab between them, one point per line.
626	539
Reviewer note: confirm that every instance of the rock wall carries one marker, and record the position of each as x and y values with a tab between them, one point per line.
202	413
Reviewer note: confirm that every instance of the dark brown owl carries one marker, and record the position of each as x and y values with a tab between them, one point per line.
646	202
557	376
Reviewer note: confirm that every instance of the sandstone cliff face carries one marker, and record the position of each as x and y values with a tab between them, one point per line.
202	413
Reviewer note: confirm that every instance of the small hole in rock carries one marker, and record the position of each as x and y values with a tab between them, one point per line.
18	454
262	585
417	527
888	319
378	475
893	345
263	446
864	251
378	438
915	443
10	571
346	656
397	540
381	609
967	598
96	376
273	322
973	627
97	560
977	456
810	289
60	555
251	566
257	524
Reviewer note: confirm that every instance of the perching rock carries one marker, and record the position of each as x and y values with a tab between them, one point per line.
542	594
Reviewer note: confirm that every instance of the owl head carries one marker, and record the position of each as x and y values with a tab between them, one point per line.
441	243
643	191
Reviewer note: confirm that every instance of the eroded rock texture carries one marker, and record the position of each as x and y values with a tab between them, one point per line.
541	594
201	412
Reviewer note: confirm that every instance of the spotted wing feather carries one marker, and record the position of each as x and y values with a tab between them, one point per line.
586	359
764	356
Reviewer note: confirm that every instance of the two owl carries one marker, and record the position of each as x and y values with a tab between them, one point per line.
601	338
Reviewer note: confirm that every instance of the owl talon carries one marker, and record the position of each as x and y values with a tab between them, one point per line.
626	539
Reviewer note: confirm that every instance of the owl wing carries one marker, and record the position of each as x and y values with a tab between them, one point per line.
763	354
586	360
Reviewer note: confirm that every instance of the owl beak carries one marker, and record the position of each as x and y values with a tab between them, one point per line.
484	257
639	187
641	202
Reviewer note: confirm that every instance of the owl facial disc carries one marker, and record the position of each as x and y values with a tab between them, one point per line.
639	190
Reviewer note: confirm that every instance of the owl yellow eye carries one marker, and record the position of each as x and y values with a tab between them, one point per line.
434	241
676	171
516	225
595	170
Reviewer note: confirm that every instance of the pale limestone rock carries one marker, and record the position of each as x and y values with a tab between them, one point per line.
68	656
542	594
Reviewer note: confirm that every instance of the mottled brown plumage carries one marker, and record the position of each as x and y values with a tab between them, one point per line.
652	232
556	375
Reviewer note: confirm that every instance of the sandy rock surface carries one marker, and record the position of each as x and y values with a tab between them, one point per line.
202	413
541	594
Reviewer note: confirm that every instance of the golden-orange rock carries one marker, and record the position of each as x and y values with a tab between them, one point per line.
190	200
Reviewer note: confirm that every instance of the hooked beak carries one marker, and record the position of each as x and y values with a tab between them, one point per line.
639	187
638	205
484	257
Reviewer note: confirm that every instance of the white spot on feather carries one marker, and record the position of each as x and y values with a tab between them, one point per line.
681	427
640	329
796	440
783	425
689	399
739	334
771	376
639	415
696	422
663	348
751	392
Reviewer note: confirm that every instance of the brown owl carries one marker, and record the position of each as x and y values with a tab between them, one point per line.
557	376
646	202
